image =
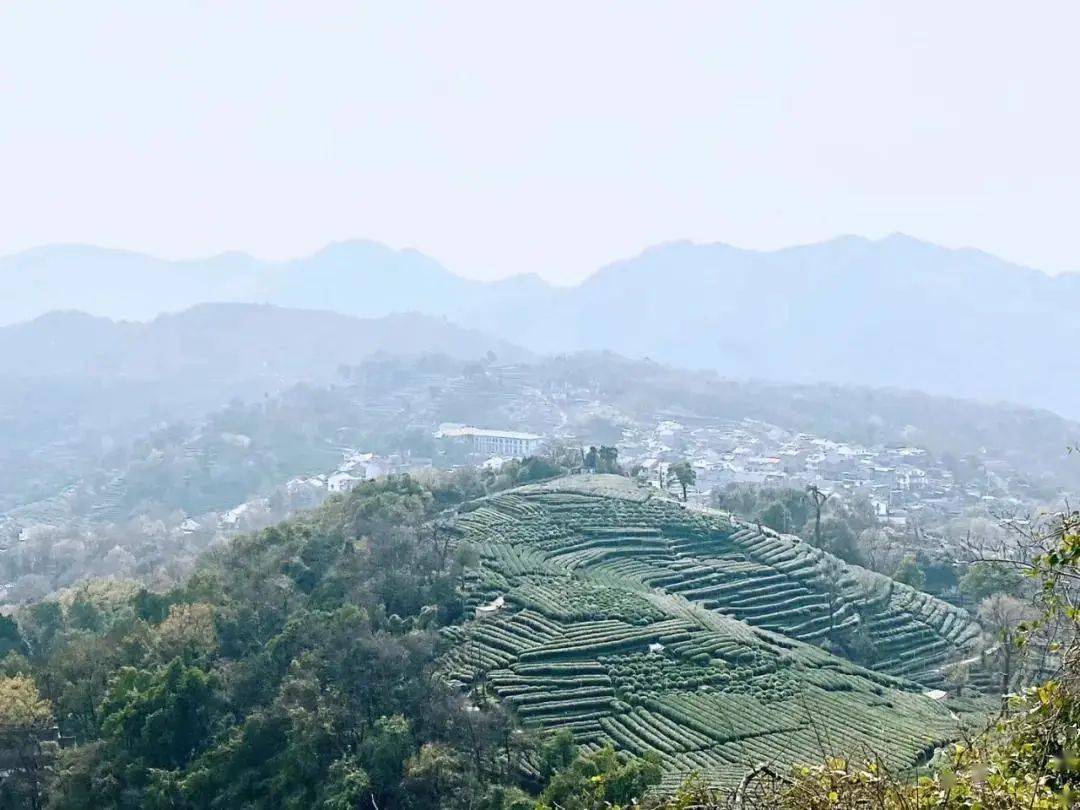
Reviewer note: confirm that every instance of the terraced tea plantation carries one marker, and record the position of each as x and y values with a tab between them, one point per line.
630	619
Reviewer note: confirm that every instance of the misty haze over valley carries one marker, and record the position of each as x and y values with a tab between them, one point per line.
539	406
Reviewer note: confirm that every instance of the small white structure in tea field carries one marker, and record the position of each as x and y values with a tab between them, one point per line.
490	609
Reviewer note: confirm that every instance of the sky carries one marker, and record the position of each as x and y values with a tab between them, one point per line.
549	137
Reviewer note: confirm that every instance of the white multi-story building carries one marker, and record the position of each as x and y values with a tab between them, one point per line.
505	443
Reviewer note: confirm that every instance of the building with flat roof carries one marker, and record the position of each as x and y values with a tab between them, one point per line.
505	443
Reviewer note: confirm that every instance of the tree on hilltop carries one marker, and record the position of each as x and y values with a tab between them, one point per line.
817	500
684	474
909	572
603	459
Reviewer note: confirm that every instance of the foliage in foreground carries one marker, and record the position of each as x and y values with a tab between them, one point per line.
1027	761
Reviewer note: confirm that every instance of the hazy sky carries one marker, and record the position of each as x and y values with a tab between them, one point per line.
551	137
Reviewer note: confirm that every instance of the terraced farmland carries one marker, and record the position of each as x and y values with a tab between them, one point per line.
633	620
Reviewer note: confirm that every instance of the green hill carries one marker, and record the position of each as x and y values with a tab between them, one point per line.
631	619
339	659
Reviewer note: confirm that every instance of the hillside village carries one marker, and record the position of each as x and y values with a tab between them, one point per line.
392	416
902	483
899	481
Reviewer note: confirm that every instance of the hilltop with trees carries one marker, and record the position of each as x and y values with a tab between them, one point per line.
335	660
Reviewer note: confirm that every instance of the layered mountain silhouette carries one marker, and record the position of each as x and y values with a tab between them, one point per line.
226	341
894	311
359	278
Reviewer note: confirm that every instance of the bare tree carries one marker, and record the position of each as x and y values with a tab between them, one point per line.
1033	544
817	500
1001	615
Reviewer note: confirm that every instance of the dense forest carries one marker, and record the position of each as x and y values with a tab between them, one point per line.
293	669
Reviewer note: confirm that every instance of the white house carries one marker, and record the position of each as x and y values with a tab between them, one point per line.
483	611
342	482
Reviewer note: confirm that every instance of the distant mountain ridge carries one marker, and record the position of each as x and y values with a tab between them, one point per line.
210	342
360	278
892	312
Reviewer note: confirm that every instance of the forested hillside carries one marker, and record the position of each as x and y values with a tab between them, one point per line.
97	473
78	392
295	669
539	406
337	659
